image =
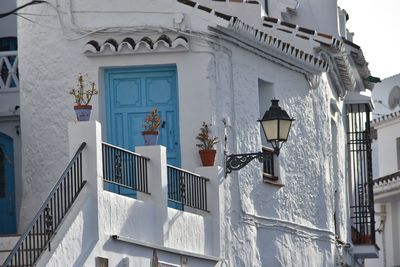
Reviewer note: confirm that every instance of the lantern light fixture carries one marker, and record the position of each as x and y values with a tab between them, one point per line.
276	125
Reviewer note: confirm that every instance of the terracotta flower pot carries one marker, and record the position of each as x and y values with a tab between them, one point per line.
83	112
150	137
207	157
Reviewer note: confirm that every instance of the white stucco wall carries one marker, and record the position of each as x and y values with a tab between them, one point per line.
387	195
387	149
307	200
263	224
388	239
8	25
385	162
319	15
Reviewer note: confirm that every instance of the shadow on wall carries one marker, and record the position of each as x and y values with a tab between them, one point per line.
90	235
304	160
304	250
140	221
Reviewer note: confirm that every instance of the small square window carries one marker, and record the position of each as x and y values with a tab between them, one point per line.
101	262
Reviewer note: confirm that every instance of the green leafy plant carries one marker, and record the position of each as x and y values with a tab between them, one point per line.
152	121
83	96
207	141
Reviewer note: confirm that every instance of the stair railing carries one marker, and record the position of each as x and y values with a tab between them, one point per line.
45	224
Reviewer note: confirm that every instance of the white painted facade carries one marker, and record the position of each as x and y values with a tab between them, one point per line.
387	156
8	26
223	69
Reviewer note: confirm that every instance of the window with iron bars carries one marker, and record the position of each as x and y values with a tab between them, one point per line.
360	174
268	164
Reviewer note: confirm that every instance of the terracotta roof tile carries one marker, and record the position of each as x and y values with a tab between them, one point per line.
386	117
128	45
385	180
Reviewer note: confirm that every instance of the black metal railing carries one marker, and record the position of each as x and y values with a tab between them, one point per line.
360	167
45	224
268	164
124	172
187	188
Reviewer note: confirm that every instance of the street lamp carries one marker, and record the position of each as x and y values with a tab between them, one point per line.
276	125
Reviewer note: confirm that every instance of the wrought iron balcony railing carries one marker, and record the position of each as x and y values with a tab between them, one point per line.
124	172
187	188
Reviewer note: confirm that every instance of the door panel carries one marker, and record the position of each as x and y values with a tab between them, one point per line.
159	91
7	195
127	93
131	94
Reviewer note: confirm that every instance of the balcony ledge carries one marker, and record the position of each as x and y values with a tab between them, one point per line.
365	251
166	249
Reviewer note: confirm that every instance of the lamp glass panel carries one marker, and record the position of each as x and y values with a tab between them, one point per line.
284	128
270	129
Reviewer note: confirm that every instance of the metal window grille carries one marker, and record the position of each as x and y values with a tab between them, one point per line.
187	188
360	172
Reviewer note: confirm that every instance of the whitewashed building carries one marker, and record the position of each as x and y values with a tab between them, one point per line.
214	61
386	155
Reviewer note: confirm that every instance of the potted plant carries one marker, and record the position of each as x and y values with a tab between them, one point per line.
151	125
82	97
206	145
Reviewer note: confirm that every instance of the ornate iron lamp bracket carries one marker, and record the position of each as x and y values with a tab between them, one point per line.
235	162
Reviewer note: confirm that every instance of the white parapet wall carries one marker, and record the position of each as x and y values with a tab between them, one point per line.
134	232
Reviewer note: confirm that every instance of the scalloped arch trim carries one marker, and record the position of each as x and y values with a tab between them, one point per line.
129	46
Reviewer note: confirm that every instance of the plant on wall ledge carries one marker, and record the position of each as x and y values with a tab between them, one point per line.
151	124
83	93
206	145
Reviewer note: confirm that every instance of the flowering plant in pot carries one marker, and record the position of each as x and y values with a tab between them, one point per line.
151	124
83	93
206	145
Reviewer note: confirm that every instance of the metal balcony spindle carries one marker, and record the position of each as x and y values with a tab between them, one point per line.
124	169
187	188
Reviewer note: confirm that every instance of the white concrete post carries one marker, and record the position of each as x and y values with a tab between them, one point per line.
215	204
92	169
158	187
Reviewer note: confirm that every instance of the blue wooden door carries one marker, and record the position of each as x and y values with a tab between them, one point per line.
7	195
131	94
